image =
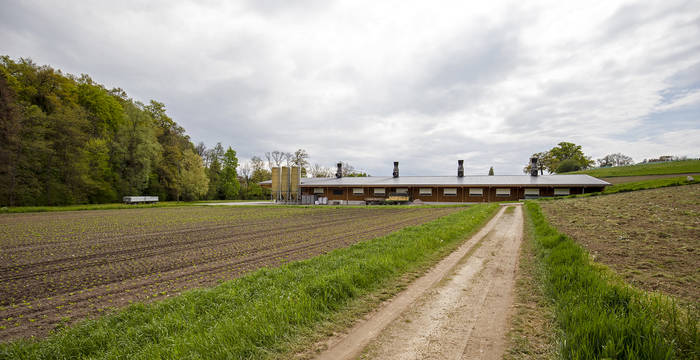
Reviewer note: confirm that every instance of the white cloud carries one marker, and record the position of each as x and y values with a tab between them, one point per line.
373	82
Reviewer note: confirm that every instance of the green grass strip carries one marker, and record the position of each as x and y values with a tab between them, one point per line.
634	186
660	168
261	314
600	316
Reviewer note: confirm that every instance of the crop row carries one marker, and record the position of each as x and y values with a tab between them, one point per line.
60	267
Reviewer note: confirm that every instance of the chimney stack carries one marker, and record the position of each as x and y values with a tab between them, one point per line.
533	166
339	173
396	169
460	168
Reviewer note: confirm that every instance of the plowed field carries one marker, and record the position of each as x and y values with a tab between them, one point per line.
56	268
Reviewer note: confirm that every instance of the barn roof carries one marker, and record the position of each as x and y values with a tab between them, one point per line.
473	180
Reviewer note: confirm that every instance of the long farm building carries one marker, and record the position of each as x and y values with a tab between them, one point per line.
459	188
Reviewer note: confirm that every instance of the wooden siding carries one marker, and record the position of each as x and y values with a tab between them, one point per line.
437	193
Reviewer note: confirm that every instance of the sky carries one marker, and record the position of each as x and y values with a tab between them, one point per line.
424	83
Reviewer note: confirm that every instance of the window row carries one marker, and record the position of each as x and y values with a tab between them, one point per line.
500	192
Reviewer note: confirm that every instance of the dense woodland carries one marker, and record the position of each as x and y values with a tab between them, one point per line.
68	140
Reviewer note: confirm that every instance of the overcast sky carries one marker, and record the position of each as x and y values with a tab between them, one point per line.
371	82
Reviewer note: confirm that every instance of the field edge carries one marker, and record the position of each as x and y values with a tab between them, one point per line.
598	314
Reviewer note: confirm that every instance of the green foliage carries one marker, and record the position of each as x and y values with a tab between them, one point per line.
67	140
552	159
260	314
567	166
491	171
661	168
229	177
600	316
192	177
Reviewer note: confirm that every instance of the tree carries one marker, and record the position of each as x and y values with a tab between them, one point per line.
319	171
301	159
491	171
544	160
274	158
568	165
229	185
259	172
66	139
192	177
617	159
569	151
215	157
551	159
10	143
245	171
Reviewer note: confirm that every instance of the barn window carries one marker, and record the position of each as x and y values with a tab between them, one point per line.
476	192
379	191
318	190
425	191
449	191
402	191
503	192
532	192
358	191
561	191
337	191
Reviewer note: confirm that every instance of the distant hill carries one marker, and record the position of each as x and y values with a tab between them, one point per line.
660	168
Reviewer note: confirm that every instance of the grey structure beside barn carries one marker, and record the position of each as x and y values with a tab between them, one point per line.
460	188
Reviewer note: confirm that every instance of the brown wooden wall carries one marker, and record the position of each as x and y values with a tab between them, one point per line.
437	195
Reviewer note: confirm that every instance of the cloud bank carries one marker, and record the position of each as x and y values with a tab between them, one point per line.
373	82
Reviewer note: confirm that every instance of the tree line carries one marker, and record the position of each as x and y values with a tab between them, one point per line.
66	139
567	157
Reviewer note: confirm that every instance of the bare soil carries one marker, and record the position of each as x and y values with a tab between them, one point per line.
57	268
458	310
650	237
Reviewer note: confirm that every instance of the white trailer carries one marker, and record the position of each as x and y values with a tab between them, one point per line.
140	199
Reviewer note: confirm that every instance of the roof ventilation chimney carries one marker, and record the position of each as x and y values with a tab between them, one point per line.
533	166
339	173
460	168
396	169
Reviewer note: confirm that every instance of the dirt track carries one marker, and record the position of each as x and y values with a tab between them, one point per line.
458	310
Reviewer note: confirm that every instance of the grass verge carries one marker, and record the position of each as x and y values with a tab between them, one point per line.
533	331
661	168
259	315
602	317
634	186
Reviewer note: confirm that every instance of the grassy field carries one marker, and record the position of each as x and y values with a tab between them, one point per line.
599	315
634	186
261	314
670	167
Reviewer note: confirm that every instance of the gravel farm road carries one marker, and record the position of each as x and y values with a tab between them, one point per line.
460	309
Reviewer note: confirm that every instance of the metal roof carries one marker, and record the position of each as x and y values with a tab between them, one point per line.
473	180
